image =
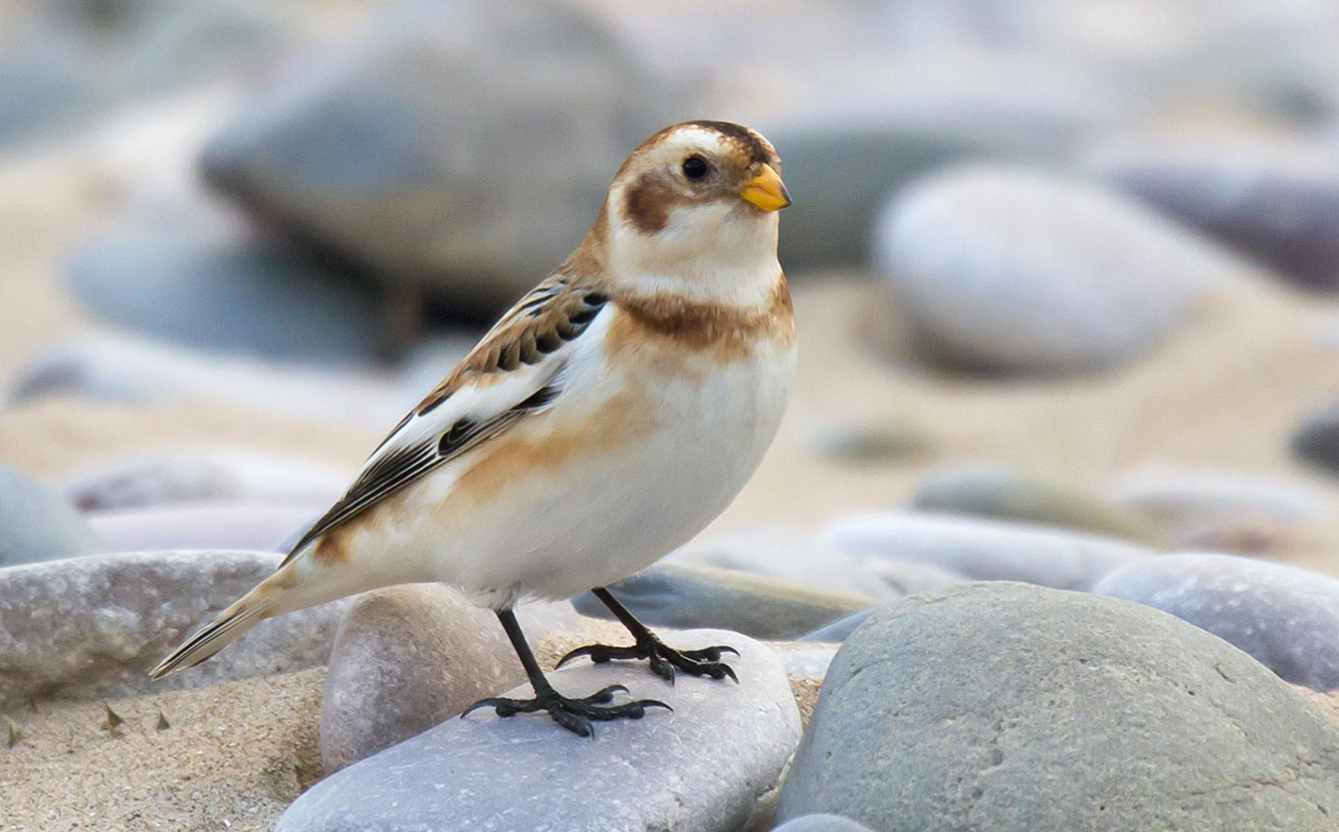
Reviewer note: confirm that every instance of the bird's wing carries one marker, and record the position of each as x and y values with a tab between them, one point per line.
514	371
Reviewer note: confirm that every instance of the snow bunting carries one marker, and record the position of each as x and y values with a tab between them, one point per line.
604	421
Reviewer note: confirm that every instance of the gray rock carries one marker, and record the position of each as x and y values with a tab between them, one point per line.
64	64
1009	271
250	527
1221	510
202	475
821	823
841	175
1287	618
800	558
415	150
709	766
808	663
192	274
407	658
985	550
839	630
1317	440
868	442
1004	493
1014	708
1265	202
36	525
683	596
93	626
129	370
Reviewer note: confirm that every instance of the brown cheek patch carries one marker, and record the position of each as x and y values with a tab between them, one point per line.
648	203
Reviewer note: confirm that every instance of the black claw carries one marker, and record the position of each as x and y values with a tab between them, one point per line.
573	714
664	660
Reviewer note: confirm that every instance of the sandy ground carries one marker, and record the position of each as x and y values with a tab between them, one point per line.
230	757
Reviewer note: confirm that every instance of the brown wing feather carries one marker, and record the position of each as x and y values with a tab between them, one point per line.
554	313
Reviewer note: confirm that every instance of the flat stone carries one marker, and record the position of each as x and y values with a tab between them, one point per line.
984	550
1014	708
412	149
1287	618
407	658
1270	202
868	442
1221	511
193	274
800	558
247	527
202	475
1007	271
684	596
1003	493
133	370
37	525
710	766
839	630
94	626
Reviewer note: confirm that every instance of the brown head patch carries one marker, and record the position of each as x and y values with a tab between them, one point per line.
749	143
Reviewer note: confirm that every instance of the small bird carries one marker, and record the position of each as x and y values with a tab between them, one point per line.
604	421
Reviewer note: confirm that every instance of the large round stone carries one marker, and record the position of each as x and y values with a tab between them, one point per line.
462	146
1012	708
1004	270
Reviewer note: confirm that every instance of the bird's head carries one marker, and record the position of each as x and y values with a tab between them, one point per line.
695	204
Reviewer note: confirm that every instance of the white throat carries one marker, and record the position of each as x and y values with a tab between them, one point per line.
720	256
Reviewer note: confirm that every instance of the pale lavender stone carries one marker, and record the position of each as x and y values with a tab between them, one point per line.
712	765
1287	618
247	527
986	550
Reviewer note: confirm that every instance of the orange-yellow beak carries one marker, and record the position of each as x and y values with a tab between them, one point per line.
766	191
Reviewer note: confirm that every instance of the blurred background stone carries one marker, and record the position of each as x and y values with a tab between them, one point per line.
193	274
1279	205
37	525
1023	273
461	148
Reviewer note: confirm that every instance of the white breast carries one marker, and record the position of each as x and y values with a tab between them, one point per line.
621	503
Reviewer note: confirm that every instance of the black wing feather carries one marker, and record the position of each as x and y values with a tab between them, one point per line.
398	469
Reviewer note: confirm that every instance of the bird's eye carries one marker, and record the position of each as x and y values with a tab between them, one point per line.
695	167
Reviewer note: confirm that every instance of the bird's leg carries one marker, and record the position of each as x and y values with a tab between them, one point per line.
664	659
573	714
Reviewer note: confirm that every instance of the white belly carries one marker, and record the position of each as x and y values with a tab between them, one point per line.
615	507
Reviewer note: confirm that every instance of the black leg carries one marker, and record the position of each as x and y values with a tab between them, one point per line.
573	714
663	658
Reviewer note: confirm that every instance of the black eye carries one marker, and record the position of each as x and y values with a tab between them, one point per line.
695	167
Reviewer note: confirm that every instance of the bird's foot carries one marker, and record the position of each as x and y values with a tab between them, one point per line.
664	660
573	714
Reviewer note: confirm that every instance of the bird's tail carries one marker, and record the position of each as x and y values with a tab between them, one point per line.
253	608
